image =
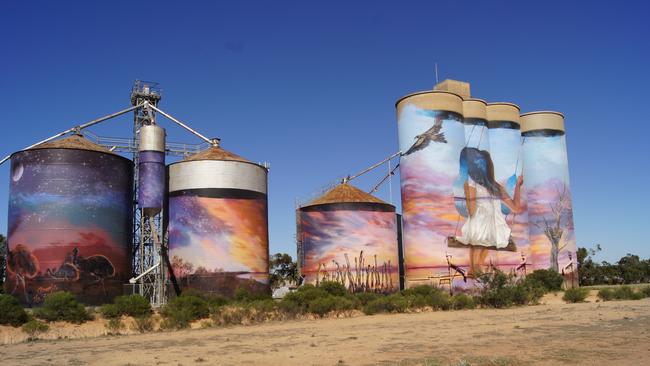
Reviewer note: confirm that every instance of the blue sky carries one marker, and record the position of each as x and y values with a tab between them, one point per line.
310	87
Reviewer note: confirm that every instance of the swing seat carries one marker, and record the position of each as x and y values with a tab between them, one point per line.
452	242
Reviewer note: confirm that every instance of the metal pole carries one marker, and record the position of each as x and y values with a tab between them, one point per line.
78	128
211	142
345	180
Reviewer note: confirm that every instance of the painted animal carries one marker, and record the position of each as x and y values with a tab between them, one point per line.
97	266
23	265
434	134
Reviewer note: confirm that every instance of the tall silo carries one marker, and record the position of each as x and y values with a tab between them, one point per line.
550	212
350	237
506	152
431	138
218	223
70	221
151	174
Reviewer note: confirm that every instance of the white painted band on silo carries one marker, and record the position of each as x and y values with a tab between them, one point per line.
200	174
152	138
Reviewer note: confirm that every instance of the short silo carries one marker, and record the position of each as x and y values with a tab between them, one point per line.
506	153
350	237
431	138
218	223
70	221
550	212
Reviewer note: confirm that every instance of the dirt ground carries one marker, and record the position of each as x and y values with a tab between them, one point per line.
610	333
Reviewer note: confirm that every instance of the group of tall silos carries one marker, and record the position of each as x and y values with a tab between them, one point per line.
70	222
483	187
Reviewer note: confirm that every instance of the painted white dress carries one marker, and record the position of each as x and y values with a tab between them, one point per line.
488	226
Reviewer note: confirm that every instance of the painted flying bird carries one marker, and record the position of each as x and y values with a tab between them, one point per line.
423	140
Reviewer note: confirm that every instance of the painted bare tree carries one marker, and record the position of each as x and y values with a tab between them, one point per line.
555	223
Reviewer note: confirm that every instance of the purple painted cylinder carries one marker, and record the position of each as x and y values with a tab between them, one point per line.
151	180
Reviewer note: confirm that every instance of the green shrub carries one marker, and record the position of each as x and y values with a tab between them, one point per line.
133	305
110	311
11	312
114	325
291	305
645	290
183	310
387	304
62	306
363	298
549	279
627	293
34	328
462	301
574	295
439	300
322	305
334	288
245	295
142	324
606	294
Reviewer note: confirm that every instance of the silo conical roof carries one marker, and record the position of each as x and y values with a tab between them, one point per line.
216	153
345	193
72	142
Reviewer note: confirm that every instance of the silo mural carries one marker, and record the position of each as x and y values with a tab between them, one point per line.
506	152
218	223
550	210
151	175
431	138
350	237
70	216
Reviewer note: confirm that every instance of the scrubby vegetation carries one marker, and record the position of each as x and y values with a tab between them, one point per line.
34	328
62	306
183	310
574	295
630	269
623	293
131	305
11	312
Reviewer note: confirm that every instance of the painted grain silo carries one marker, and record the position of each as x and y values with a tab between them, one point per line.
70	221
350	237
218	223
506	153
550	211
431	138
151	174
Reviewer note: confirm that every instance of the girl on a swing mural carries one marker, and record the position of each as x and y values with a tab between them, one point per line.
482	203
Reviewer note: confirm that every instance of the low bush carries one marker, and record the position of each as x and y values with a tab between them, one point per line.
245	295
34	328
395	303
110	311
574	295
334	288
549	279
499	290
11	312
183	310
363	298
645	290
62	306
627	293
322	305
462	301
142	324
133	305
606	294
114	325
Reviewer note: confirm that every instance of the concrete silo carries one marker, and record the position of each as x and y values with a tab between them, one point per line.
218	223
70	221
431	138
350	237
550	211
151	174
506	152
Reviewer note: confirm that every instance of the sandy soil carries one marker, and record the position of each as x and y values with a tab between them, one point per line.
610	333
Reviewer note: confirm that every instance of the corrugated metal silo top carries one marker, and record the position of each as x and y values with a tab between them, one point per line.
216	153
73	142
345	193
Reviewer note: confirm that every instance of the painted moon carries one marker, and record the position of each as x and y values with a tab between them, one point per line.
17	173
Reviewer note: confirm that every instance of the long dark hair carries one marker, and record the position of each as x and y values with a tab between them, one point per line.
478	165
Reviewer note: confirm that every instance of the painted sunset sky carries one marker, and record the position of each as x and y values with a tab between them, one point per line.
220	234
546	174
329	235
